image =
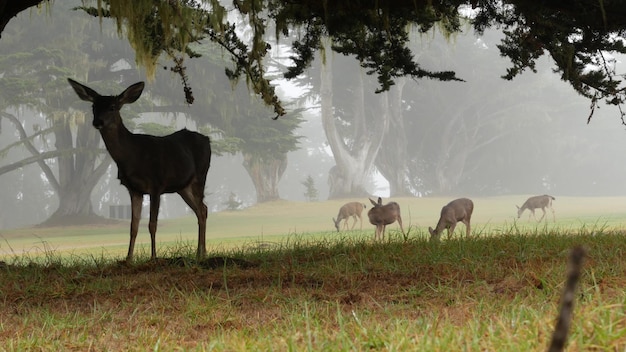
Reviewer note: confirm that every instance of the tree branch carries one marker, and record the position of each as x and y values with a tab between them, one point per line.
31	148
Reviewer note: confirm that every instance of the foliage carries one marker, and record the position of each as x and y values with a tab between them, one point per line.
78	51
578	38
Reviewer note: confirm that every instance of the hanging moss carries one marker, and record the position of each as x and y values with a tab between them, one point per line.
375	32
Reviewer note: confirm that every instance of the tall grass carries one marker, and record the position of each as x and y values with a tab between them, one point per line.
337	292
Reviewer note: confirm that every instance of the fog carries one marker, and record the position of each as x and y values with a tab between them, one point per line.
482	137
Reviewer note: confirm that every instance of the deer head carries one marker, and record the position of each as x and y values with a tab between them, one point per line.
106	109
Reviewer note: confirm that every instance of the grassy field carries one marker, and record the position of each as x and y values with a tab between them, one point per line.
276	221
314	289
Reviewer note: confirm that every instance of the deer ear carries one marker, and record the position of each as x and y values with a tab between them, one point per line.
380	201
131	94
83	92
374	203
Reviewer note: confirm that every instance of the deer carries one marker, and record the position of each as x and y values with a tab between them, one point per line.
176	163
352	209
536	202
382	215
457	210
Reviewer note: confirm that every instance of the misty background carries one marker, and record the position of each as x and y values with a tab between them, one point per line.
482	137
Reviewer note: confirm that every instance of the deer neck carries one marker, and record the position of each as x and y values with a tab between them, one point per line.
117	139
441	225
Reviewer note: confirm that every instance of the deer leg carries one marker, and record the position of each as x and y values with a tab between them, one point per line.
544	214
136	201
155	203
194	197
451	230
400	222
467	228
354	223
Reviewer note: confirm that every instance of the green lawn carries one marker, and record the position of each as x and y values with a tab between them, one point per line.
315	289
277	221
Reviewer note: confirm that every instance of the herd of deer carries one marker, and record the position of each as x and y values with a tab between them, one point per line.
179	163
458	210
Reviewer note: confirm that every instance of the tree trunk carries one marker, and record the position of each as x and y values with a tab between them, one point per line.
77	170
391	160
353	162
265	175
78	173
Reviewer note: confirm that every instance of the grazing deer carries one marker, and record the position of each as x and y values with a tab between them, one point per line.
532	203
382	215
151	165
564	319
457	210
352	209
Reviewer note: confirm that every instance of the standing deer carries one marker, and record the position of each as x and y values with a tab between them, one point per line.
352	209
382	215
457	210
151	165
532	203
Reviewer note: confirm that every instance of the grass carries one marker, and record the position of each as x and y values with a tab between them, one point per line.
272	222
497	290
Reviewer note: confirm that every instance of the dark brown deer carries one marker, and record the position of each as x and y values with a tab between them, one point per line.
457	210
151	165
352	209
382	215
536	202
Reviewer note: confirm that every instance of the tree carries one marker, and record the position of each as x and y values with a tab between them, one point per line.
577	37
38	82
454	125
233	203
243	118
488	136
310	192
79	156
10	9
392	158
354	155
